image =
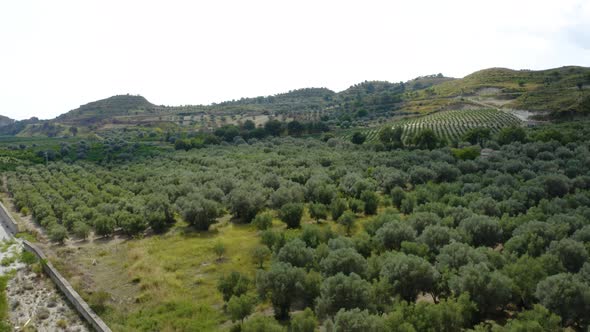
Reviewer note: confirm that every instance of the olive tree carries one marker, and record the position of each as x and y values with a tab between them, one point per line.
567	296
343	292
283	284
291	214
198	211
408	275
345	260
489	289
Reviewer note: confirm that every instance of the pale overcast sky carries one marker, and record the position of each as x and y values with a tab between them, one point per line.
56	55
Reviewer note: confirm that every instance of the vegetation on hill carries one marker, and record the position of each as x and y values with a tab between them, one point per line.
553	93
5	121
116	105
560	91
449	126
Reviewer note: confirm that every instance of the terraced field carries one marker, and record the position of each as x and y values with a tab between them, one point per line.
449	124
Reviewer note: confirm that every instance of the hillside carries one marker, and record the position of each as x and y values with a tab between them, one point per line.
545	94
5	121
106	108
556	91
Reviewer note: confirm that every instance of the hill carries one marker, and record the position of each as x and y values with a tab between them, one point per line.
545	94
5	121
106	108
556	92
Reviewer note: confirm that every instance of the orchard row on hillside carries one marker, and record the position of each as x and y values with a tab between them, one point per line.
450	126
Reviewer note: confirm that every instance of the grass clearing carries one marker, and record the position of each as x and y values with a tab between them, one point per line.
164	283
167	282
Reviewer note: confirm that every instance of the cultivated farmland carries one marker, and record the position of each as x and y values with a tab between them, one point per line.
450	125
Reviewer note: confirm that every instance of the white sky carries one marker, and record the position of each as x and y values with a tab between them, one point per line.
56	55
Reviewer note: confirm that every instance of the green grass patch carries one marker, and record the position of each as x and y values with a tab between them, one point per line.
4	315
169	282
26	236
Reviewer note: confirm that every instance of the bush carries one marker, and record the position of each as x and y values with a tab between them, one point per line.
304	322
198	211
219	249
104	226
58	233
344	260
260	254
408	204
511	134
98	301
240	307
409	275
235	284
259	323
572	254
318	211
337	208
81	230
482	230
358	138
358	320
291	214
263	220
273	239
343	292
347	220
283	284
296	253
567	296
490	290
371	201
27	257
392	234
356	205
397	196
246	202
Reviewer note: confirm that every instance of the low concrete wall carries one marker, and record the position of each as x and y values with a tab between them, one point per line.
65	287
7	220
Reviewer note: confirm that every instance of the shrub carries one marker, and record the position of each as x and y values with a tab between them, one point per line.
240	307
283	284
259	323
198	211
260	254
291	214
318	211
235	284
371	201
565	295
337	208
58	233
263	220
303	322
347	220
343	292
81	230
296	253
104	226
219	249
98	301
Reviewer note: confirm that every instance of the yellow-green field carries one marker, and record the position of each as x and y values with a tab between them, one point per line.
163	283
